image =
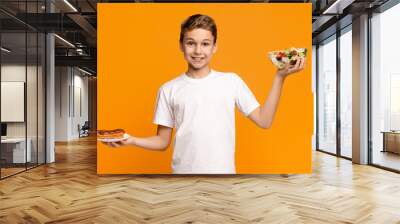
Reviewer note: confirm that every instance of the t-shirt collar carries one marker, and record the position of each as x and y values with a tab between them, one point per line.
193	80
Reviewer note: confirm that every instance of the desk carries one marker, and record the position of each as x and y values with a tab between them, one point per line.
391	141
17	150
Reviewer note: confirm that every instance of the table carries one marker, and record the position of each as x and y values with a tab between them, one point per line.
16	147
391	141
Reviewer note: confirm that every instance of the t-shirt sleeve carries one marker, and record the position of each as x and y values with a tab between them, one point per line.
245	99
163	114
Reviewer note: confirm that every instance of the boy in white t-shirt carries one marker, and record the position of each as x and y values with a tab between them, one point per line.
200	105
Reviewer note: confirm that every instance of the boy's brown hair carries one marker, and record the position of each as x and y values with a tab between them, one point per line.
198	21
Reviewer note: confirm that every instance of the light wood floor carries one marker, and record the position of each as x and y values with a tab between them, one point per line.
5	172
10	171
70	191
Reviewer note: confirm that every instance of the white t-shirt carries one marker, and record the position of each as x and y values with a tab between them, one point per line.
203	113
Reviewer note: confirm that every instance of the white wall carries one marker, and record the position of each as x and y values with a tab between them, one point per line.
61	103
80	83
70	84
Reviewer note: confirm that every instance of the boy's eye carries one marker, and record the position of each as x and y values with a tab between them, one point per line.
206	44
190	43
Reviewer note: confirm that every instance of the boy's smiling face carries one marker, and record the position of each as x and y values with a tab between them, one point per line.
198	48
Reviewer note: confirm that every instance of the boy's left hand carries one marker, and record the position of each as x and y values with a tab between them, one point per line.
290	69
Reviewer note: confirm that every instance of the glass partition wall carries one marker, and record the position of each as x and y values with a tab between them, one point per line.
326	54
334	103
13	91
345	62
334	115
385	89
22	88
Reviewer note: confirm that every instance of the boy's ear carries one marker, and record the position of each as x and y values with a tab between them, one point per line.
215	48
180	46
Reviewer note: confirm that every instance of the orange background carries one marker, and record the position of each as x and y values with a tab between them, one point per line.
138	51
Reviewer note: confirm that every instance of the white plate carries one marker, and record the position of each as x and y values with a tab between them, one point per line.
126	136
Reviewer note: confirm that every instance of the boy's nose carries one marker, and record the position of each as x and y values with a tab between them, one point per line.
197	49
